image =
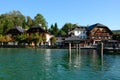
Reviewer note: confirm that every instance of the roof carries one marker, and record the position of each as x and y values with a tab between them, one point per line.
73	39
94	25
15	30
80	27
20	29
98	25
37	28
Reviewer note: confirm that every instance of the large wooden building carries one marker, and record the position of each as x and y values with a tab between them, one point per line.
15	31
98	32
41	31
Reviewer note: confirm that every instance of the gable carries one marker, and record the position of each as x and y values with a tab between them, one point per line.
100	31
99	28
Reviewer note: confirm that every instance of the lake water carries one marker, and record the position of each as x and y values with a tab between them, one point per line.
56	64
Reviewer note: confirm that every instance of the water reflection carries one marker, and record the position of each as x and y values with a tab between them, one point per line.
48	56
85	58
40	64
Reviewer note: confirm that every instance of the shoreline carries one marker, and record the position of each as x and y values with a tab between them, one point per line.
111	51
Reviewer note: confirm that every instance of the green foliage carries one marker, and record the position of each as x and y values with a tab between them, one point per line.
54	29
53	40
67	27
62	33
10	20
39	19
29	21
36	38
20	38
116	36
116	31
16	18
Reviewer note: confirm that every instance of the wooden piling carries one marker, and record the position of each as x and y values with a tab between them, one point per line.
101	49
102	54
70	49
77	47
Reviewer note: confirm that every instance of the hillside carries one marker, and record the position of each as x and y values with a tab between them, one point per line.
116	31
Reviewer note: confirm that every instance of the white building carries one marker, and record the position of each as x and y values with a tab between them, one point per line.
48	37
79	31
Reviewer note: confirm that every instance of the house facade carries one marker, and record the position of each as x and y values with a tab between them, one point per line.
41	32
98	33
79	31
77	35
15	31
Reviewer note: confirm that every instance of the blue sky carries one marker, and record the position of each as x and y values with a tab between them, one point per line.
82	12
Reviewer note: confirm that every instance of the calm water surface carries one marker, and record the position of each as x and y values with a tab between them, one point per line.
40	64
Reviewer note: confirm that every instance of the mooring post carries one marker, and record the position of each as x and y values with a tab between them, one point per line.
101	49
70	49
79	47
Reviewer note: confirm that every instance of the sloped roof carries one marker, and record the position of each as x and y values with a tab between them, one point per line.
73	39
79	27
39	27
18	29
95	25
98	25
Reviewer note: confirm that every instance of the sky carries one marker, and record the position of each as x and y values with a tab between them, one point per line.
82	12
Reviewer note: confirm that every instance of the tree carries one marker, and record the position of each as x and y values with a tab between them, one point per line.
35	39
18	18
43	37
62	33
54	29
29	21
67	27
39	19
116	36
20	38
51	29
53	40
10	20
